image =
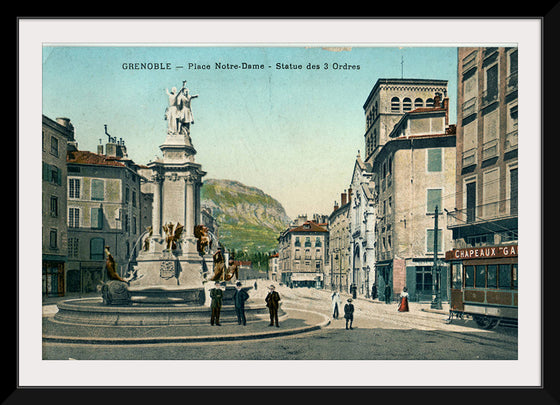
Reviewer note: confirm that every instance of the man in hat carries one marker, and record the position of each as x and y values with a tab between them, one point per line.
272	299
349	313
216	295
239	298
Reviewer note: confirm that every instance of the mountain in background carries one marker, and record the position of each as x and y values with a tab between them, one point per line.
248	219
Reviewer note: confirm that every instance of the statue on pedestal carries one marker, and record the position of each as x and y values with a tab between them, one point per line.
179	114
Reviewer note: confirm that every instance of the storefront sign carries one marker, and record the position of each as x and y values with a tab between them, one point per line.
482	252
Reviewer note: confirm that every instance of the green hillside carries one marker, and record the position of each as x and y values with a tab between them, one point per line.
248	219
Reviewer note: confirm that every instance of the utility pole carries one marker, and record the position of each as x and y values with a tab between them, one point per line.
436	275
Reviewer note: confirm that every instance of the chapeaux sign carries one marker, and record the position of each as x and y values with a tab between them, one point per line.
482	252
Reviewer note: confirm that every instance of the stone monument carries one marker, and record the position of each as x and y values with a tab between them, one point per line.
171	266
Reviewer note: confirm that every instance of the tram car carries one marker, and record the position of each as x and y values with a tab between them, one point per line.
483	284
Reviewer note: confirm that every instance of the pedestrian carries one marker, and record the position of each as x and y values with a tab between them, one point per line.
349	313
388	293
373	291
272	302
216	294
403	305
239	298
336	303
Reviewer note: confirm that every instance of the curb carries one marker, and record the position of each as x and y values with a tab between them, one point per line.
190	339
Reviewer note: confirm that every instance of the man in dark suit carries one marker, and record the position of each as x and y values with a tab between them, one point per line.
272	302
349	313
239	298
216	295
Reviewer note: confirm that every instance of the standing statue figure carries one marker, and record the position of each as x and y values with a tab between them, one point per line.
179	113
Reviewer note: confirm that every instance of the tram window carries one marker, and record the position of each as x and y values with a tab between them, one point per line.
456	268
504	276
515	276
469	276
492	274
480	280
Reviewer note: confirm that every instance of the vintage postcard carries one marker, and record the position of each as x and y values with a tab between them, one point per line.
349	200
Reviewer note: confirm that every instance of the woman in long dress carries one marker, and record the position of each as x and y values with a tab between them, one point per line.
403	305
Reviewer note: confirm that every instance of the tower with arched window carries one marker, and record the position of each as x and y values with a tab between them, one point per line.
388	100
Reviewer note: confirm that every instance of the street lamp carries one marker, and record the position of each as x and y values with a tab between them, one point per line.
436	287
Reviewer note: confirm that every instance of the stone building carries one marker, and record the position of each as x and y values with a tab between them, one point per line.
104	209
486	213
339	246
414	172
56	136
303	255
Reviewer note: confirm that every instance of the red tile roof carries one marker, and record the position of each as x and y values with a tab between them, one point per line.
308	226
90	158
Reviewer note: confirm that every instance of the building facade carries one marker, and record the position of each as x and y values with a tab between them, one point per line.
486	214
302	252
55	138
339	246
362	210
414	173
104	208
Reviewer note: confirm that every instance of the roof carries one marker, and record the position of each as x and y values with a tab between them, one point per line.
308	226
90	158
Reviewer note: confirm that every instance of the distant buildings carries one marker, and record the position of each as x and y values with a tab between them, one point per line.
303	254
339	245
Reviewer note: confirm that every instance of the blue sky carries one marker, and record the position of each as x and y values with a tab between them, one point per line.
292	133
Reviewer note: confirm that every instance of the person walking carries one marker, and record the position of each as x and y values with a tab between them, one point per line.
216	294
239	298
388	293
272	302
336	304
403	304
349	313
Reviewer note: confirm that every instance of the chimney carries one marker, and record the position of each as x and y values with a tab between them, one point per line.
350	194
342	199
99	149
335	206
446	107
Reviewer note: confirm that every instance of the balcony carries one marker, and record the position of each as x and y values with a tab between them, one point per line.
469	107
511	141
482	213
469	157
511	83
490	149
469	62
489	97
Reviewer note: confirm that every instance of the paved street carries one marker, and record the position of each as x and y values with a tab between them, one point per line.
380	333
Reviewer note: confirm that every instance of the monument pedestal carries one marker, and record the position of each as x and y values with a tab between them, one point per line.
172	265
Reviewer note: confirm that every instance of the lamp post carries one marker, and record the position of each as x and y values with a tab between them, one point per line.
436	288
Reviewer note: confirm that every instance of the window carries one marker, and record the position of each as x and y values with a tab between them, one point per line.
456	275
96	246
490	135
480	278
73	217
433	200
492	280
395	105
134	198
318	241
307	241
73	250
490	192
54	206
97	218
54	146
491	92
126	195
52	174
424	279
73	188
430	240
504	276
469	276
430	102
513	203
97	189
418	103
53	239
297	242
407	104
434	160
